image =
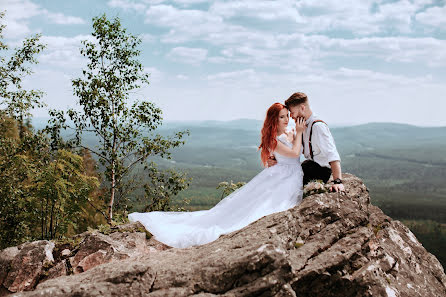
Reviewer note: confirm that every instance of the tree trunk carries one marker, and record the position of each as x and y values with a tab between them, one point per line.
21	128
46	215
42	219
112	195
51	220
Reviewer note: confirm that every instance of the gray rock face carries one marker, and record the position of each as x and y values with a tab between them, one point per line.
330	245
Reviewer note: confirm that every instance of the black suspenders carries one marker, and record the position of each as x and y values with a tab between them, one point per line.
309	139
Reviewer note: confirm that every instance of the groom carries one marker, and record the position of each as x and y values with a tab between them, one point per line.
322	158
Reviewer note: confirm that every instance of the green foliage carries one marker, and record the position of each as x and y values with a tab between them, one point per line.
104	229
62	189
120	217
42	193
93	210
16	204
14	99
229	187
125	132
162	186
18	147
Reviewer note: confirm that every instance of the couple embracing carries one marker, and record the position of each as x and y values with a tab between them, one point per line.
276	188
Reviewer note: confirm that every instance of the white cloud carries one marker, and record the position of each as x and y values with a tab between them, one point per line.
339	96
361	18
332	15
148	38
434	16
188	55
429	51
264	10
63	52
20	12
234	75
396	15
57	87
345	77
425	50
61	19
155	74
373	77
300	52
422	3
184	24
191	25
189	2
365	53
127	5
151	2
182	77
295	58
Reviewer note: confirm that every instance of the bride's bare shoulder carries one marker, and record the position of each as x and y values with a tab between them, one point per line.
287	137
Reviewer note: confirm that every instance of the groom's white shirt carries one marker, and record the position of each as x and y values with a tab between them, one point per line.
323	144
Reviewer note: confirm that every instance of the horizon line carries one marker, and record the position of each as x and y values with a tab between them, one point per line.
256	120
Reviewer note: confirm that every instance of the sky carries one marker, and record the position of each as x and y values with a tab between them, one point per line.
358	61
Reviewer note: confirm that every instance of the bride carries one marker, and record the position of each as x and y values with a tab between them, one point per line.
274	189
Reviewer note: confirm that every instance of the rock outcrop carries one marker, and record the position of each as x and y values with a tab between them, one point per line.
332	244
24	266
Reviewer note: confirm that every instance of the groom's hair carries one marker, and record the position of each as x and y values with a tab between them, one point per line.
296	99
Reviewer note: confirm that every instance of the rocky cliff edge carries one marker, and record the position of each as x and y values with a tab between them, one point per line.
330	245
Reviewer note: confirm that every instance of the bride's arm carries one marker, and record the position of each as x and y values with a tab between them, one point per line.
287	151
295	151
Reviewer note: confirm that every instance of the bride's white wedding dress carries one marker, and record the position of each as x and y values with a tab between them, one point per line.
274	189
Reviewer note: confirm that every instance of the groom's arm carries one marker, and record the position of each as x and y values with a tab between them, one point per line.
329	151
336	169
337	173
271	161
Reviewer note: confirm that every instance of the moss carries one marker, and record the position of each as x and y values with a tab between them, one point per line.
376	229
67	242
105	229
47	265
122	230
148	234
132	230
298	244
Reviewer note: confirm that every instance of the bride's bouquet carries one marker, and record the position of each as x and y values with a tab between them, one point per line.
315	187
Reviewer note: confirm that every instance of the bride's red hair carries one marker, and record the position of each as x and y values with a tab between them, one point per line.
269	132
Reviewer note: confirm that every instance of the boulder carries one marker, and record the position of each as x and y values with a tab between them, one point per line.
332	244
23	267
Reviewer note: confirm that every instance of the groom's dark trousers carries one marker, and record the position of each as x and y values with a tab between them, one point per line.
313	170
